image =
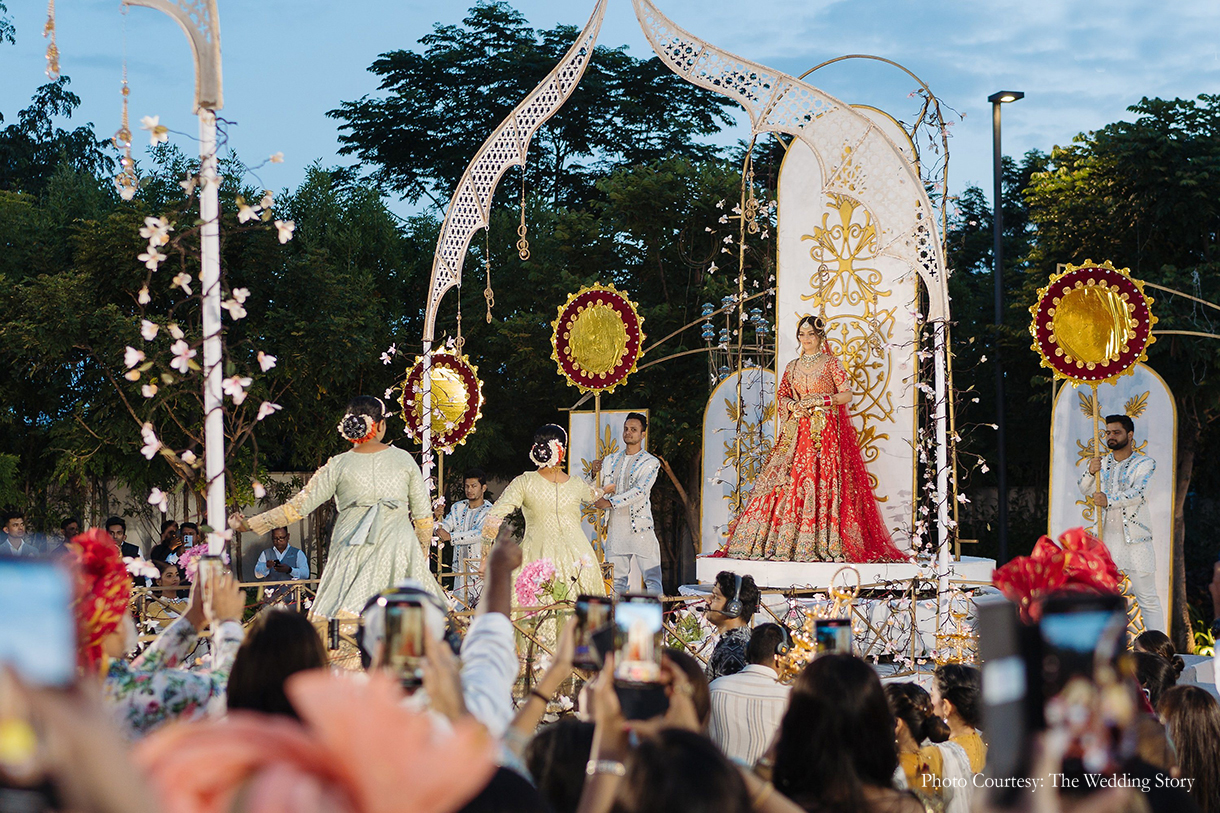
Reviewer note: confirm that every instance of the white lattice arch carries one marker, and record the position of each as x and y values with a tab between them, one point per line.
857	159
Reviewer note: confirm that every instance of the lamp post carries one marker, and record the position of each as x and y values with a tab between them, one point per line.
997	228
202	26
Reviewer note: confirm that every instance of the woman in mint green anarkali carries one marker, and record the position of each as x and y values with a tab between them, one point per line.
384	512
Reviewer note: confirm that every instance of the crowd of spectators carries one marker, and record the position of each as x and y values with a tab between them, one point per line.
264	723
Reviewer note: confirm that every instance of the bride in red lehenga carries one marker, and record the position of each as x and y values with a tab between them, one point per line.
812	501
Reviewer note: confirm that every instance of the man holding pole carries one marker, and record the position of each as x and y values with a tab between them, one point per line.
630	534
1118	484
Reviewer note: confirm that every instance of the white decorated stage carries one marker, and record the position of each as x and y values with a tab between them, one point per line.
817	575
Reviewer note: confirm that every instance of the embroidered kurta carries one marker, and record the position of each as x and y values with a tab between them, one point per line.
465	527
552	529
630	526
374	544
812	501
1127	522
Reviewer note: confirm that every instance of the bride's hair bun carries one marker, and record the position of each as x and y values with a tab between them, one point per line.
356	428
548	447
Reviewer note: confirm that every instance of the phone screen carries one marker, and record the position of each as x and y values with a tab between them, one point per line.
594	625
404	641
832	635
38	635
637	634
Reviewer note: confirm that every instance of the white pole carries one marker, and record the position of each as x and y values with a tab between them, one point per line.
213	407
943	534
425	413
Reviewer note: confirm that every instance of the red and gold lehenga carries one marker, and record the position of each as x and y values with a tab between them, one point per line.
812	501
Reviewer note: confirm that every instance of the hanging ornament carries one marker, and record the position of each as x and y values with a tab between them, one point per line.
523	245
488	293
127	181
48	32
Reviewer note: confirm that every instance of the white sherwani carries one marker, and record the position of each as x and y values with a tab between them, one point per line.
630	533
1127	526
465	527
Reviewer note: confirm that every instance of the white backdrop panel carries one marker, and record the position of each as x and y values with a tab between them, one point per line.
1146	399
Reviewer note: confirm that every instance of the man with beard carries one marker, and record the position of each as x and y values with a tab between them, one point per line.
1118	483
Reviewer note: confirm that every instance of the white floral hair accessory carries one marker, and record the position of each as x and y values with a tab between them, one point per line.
357	428
548	454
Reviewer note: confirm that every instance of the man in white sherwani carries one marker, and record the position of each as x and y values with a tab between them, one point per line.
630	533
1118	484
462	527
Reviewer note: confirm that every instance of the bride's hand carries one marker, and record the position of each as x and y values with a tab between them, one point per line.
841	398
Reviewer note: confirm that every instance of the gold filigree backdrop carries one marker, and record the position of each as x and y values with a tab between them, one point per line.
747	450
1135	407
599	339
847	294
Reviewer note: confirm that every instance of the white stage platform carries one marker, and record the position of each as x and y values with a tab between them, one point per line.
784	575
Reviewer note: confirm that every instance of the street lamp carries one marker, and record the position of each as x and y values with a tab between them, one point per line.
201	23
997	228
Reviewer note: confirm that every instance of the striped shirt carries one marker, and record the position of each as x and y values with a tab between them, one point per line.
746	711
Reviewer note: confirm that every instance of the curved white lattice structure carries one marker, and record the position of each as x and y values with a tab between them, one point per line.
857	159
470	208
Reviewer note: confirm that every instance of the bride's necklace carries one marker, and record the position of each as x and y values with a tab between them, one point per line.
809	359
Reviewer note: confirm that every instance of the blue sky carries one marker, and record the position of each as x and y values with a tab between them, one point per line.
287	62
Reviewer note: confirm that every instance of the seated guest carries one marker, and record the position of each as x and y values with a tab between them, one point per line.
557	757
836	748
1192	717
166	605
733	603
170	547
957	699
68	529
700	694
1155	675
914	725
117	528
278	644
747	706
15	543
281	561
1156	642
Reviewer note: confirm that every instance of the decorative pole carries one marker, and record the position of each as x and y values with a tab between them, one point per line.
201	23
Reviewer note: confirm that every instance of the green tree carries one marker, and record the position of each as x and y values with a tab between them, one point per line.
1146	194
440	105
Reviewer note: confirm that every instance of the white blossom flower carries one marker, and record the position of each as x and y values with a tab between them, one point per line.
143	298
259	491
268	200
156	230
246	213
285	229
235	309
389	393
386	357
183	353
188	457
266	409
216	539
127	192
183	280
132	357
713	268
235	387
132	375
151	258
151	444
188	185
176	331
149	390
265	361
277	158
160	499
158	132
137	566
148	330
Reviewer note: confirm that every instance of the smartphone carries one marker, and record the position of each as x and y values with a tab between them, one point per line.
1012	697
832	635
594	631
1088	698
38	636
638	648
404	641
